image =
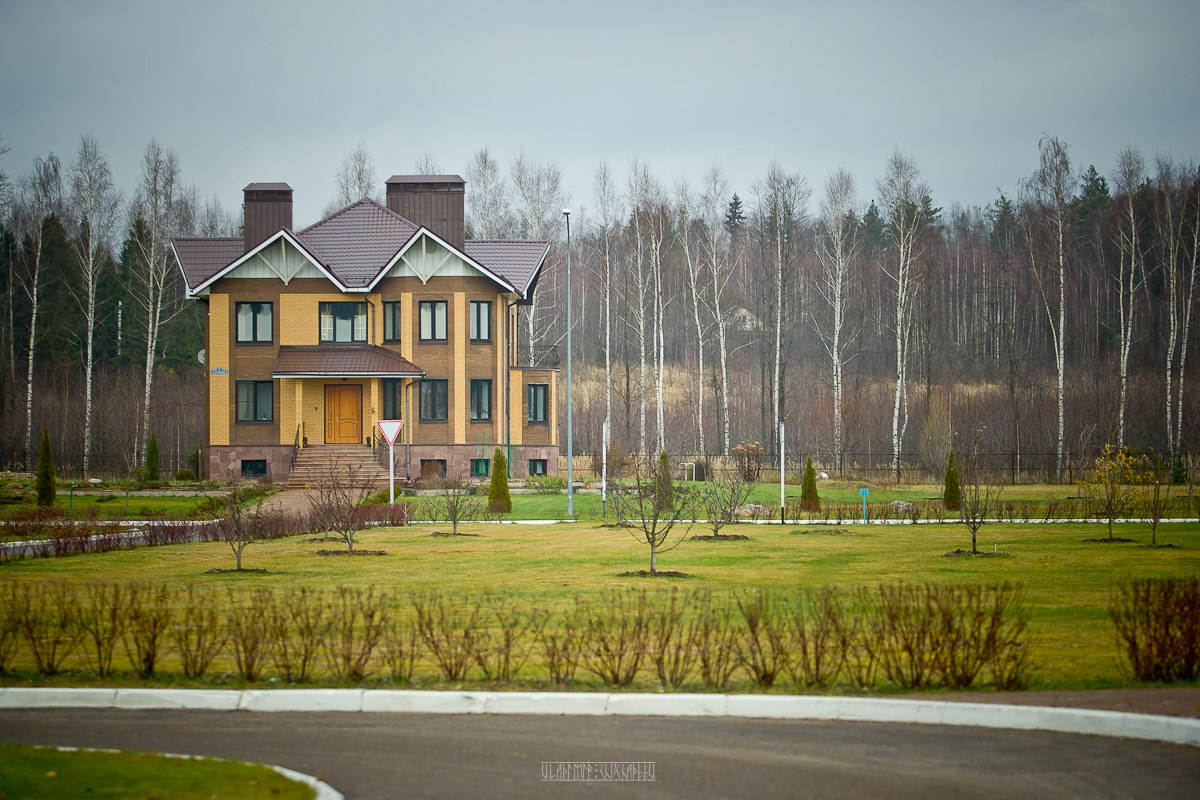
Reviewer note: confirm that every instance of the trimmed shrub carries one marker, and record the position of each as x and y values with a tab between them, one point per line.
664	488
152	470
951	493
809	499
185	475
499	499
546	484
45	472
1158	627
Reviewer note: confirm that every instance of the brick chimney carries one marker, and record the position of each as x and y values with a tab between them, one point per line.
434	201
267	208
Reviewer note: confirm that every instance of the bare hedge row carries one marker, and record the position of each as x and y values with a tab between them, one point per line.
48	538
906	635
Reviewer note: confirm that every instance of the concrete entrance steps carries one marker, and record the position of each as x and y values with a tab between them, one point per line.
314	463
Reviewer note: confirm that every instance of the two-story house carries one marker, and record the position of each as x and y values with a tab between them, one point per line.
375	312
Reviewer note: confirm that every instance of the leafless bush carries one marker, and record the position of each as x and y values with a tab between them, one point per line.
761	645
978	627
400	651
720	501
336	503
903	629
47	615
1158	627
9	632
296	628
246	622
240	527
862	655
197	632
820	638
148	621
748	459
501	651
357	619
715	635
562	646
455	501
670	643
614	641
449	631
102	616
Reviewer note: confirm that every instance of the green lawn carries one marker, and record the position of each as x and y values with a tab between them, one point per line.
47	772
1068	582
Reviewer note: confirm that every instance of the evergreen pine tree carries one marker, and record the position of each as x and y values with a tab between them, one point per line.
664	489
809	499
499	499
45	472
734	215
1178	471
152	470
951	494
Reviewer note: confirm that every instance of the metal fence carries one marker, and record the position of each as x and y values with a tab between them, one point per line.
102	466
1000	468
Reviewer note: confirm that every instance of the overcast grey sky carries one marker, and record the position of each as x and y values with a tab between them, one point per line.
266	91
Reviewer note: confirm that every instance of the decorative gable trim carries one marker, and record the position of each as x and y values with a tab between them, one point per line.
283	235
451	252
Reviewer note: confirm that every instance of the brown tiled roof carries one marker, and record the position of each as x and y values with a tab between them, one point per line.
358	241
203	258
355	244
343	359
514	259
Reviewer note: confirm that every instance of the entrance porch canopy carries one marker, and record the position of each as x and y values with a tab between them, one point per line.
342	361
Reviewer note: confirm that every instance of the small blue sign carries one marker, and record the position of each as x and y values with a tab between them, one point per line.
864	491
219	371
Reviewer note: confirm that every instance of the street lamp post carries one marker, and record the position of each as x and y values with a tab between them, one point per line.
570	438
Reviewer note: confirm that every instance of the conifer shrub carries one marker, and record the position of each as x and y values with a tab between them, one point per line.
809	499
45	473
152	469
499	499
951	493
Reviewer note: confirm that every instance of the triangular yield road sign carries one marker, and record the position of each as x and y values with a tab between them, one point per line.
390	428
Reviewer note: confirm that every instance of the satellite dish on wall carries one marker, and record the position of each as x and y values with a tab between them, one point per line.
202	356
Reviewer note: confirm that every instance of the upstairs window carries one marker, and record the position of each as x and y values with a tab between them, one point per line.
433	320
391	321
253	323
343	322
481	321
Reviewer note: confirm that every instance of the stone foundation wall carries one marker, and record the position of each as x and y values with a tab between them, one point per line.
225	462
458	459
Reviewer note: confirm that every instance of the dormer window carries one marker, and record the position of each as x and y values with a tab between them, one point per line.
343	322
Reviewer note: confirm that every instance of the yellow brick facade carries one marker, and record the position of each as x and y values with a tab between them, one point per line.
217	360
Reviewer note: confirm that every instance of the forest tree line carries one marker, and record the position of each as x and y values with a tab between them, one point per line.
883	327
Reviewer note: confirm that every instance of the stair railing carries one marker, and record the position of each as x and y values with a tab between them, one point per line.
295	449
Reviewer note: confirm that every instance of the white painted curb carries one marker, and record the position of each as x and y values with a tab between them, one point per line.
1151	727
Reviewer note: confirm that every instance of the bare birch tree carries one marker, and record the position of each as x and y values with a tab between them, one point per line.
1131	272
41	199
692	247
837	248
537	189
638	191
427	164
487	197
355	179
901	192
719	265
609	213
1048	194
781	200
158	213
1176	188
95	203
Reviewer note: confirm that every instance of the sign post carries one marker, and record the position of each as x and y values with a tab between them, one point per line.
864	492
390	428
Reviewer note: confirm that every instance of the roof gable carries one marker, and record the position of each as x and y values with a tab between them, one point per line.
357	247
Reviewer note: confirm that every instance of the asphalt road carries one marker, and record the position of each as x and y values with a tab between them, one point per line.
409	755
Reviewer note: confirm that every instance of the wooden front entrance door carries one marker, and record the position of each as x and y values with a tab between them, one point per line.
343	414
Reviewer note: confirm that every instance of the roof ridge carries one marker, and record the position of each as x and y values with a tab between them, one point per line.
519	241
368	200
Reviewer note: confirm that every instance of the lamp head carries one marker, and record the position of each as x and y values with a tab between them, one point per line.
566	212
